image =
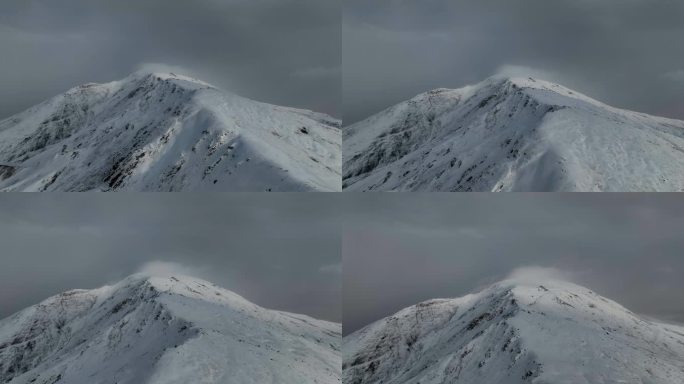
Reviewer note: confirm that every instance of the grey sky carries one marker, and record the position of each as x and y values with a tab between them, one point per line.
400	249
624	52
285	52
280	251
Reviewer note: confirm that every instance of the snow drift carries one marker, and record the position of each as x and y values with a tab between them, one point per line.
165	330
166	132
516	332
512	134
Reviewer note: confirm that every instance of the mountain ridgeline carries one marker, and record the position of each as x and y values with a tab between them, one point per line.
166	132
512	134
547	332
166	330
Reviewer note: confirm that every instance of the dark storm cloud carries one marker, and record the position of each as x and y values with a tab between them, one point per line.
624	52
401	249
284	52
280	251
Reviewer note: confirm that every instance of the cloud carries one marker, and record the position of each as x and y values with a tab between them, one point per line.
399	250
537	274
335	269
315	73
675	75
613	50
232	240
159	268
508	70
470	232
165	68
250	48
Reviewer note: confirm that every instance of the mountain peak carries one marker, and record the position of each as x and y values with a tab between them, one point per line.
519	80
164	329
163	76
516	332
534	275
161	131
544	91
180	285
512	134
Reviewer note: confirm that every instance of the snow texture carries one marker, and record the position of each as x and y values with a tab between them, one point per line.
549	332
512	134
166	132
165	330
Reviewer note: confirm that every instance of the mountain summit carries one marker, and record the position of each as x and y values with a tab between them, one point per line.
164	330
512	134
515	333
166	132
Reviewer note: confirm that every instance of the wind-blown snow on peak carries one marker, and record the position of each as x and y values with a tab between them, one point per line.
155	131
162	330
513	332
512	134
169	76
181	285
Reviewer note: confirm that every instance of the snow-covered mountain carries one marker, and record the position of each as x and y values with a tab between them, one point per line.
512	134
514	333
166	132
163	331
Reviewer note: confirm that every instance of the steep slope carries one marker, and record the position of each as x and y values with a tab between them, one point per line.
164	330
165	132
515	333
512	134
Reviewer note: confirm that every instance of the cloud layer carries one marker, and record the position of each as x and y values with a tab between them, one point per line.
253	48
159	268
279	251
613	50
535	274
401	249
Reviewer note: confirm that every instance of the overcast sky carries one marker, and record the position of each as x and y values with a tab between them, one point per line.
627	53
401	249
280	251
285	52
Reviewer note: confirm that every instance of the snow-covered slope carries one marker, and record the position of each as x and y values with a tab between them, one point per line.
512	134
551	332
162	331
166	132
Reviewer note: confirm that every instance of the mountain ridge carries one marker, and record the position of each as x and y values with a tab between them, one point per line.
544	332
174	329
512	134
165	132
